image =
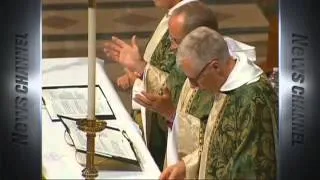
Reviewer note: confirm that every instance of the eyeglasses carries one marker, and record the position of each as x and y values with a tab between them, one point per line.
195	80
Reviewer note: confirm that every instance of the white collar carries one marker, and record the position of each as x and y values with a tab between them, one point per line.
244	72
237	46
179	4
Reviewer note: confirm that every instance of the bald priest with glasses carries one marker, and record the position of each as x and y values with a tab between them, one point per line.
241	135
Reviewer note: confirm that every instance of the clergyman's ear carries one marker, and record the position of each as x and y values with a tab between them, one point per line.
215	64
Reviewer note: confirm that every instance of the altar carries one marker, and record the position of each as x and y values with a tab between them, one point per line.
58	158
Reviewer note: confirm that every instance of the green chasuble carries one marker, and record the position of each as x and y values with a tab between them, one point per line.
191	114
163	72
164	60
175	79
161	64
242	141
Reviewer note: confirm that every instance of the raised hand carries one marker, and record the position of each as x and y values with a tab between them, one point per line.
158	103
125	54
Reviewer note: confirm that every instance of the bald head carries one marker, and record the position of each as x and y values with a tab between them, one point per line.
196	14
189	17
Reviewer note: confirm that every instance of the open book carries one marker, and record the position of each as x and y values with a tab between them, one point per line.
72	101
109	143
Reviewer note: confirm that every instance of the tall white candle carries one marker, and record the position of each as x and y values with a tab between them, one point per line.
91	58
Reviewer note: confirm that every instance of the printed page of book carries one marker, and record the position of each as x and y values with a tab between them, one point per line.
73	102
109	142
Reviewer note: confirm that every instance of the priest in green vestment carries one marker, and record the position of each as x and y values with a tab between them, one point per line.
193	106
152	69
241	135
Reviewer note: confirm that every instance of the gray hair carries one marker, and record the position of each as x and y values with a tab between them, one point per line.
201	46
196	14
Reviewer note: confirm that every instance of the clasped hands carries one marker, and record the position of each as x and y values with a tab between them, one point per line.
156	102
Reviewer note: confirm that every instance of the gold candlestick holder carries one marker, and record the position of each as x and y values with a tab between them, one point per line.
91	127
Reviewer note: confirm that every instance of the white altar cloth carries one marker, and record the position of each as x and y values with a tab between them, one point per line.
58	158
